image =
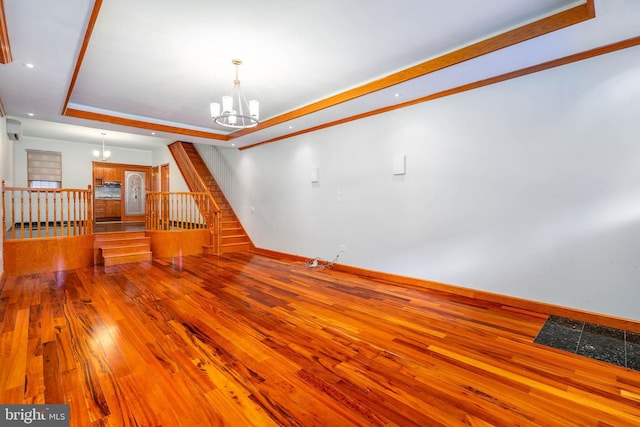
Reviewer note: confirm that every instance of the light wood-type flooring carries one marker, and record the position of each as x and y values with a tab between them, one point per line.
246	340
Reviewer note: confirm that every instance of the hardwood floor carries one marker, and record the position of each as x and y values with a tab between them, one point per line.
246	340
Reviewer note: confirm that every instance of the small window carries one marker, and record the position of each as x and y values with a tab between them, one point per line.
44	169
44	184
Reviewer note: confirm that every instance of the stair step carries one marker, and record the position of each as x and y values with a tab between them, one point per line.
125	249
126	258
121	247
232	231
233	247
240	238
103	243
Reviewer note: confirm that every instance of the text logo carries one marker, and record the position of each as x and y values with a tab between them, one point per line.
34	415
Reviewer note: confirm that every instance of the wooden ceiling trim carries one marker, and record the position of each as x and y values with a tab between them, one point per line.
87	115
603	50
540	27
5	45
83	50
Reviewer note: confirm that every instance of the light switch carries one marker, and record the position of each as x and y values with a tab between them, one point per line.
400	164
314	174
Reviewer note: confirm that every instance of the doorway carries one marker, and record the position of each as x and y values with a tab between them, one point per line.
164	177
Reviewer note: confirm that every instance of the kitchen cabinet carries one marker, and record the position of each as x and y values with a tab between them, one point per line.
107	210
98	175
106	173
100	209
112	174
124	201
112	209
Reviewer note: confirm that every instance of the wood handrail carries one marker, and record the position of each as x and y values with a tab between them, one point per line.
189	172
45	212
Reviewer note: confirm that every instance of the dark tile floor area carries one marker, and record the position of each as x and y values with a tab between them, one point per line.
603	343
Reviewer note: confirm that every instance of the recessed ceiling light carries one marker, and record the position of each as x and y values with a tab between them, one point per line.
397	95
290	127
233	145
153	133
28	65
30	114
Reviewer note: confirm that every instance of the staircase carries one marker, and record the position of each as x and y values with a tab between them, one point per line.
198	177
121	248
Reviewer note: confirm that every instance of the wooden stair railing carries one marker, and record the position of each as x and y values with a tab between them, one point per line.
184	211
47	212
233	237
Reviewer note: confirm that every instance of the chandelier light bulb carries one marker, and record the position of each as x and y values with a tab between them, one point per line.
227	104
254	109
215	109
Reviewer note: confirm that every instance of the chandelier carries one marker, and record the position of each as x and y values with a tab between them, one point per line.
236	112
105	153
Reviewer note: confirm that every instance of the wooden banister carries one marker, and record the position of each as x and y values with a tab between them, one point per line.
184	211
46	212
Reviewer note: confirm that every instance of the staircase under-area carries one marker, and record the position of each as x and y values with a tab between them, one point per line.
121	248
199	179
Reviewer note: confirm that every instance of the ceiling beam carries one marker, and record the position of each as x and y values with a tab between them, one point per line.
83	50
156	127
581	56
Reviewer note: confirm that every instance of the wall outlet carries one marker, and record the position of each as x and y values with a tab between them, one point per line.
342	248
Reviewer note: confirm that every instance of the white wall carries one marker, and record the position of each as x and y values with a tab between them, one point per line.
77	159
529	188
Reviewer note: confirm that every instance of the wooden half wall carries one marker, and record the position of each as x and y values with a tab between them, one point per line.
171	244
31	256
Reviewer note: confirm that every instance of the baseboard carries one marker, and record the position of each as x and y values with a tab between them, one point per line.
520	303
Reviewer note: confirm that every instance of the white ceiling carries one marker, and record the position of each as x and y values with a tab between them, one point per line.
161	62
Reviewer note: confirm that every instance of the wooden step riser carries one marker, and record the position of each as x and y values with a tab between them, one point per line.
125	250
235	239
236	247
232	232
125	259
121	242
230	224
